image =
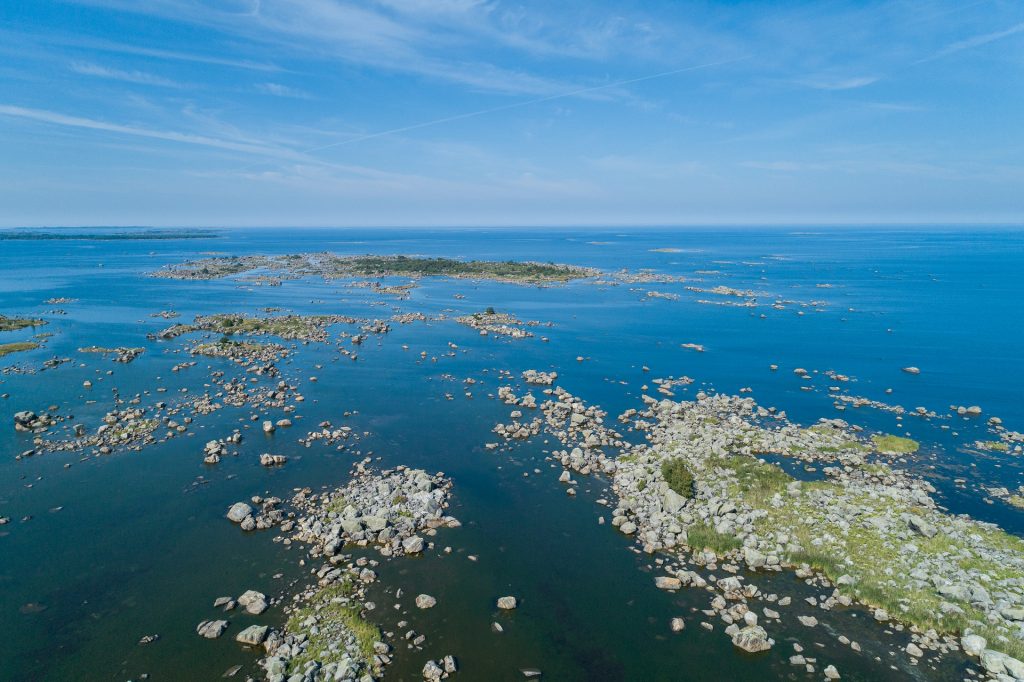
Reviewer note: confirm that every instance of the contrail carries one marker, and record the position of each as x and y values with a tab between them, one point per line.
504	108
516	105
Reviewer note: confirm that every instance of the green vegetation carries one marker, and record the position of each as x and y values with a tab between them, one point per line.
8	348
337	504
334	608
894	445
449	267
873	556
10	324
331	266
702	536
678	477
756	482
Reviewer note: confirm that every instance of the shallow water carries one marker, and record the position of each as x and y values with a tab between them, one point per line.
137	549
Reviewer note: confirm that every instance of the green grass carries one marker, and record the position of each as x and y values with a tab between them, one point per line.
756	481
337	504
510	270
10	324
8	348
700	535
894	445
332	606
678	477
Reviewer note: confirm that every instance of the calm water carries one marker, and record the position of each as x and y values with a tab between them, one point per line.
136	549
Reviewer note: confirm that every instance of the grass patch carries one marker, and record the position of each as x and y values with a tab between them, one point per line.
678	477
756	481
8	348
335	609
337	504
10	324
894	445
700	535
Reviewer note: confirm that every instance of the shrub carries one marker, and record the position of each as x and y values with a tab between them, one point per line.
678	476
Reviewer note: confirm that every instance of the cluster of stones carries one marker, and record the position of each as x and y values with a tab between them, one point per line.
245	354
387	509
27	420
537	378
497	324
215	449
392	510
328	435
120	354
261	514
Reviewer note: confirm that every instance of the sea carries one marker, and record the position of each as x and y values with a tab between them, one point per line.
101	551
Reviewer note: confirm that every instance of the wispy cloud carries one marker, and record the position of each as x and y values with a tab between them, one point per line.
139	77
279	90
975	41
851	83
55	118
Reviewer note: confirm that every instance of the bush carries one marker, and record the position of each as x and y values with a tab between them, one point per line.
678	476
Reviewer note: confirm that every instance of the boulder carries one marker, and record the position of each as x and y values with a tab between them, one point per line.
752	639
212	629
239	512
252	635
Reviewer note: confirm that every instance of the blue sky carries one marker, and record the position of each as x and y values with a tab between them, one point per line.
486	112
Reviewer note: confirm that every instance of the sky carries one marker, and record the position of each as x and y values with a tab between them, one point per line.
487	112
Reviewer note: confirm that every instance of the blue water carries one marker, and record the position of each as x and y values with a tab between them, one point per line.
136	549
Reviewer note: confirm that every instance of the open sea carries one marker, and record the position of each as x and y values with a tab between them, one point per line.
112	548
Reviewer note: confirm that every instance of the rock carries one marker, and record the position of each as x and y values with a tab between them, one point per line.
432	671
914	650
831	673
754	558
921	527
239	512
212	629
375	523
269	460
753	639
992	662
809	621
507	603
664	582
425	601
253	602
413	545
268	426
678	625
628	528
252	635
973	644
911	370
673	501
449	664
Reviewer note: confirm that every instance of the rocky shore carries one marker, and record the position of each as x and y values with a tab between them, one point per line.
703	489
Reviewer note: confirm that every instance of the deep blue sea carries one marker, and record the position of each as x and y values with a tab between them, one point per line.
109	549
